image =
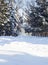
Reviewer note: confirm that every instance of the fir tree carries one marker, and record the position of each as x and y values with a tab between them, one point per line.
38	18
7	18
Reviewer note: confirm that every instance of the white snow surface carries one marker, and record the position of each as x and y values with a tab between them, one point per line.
23	50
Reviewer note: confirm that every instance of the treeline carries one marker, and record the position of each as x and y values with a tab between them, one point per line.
34	20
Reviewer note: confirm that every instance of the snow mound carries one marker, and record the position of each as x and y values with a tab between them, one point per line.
23	50
3	60
13	47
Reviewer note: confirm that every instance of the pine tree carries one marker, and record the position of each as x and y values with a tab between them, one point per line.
3	15
43	10
38	18
7	18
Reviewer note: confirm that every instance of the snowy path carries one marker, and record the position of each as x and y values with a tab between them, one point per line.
23	51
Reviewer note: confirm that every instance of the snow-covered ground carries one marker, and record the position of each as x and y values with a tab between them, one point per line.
23	50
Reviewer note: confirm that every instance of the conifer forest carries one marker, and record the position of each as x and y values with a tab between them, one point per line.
29	20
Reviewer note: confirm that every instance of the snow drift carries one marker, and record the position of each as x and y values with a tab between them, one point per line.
23	50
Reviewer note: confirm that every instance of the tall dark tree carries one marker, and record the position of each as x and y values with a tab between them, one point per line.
38	17
43	10
7	18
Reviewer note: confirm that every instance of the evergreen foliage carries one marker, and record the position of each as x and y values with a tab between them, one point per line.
7	19
38	18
